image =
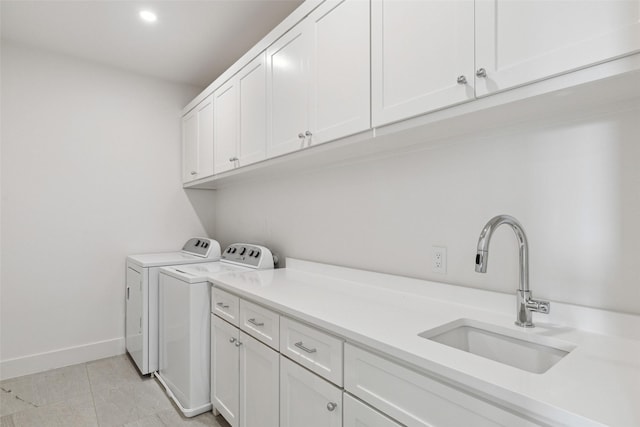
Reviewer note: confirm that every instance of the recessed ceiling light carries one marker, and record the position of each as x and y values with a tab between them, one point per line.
148	16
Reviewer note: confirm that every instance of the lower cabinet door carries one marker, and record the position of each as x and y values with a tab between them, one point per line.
306	399
225	368
357	414
259	384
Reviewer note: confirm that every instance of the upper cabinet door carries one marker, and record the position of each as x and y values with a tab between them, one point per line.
518	42
197	142
340	70
225	127
205	138
422	55
288	92
189	146
252	87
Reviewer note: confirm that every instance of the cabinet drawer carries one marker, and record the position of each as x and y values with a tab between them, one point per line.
315	350
260	323
225	305
357	414
418	400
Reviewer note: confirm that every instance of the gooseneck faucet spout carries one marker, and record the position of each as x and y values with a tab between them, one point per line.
525	303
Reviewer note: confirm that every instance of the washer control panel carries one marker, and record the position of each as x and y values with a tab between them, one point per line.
248	255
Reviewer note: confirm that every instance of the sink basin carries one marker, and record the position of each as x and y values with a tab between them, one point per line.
528	352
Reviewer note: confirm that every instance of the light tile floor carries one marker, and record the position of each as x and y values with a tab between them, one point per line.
107	393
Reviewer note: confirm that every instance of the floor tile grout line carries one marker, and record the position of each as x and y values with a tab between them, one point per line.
93	398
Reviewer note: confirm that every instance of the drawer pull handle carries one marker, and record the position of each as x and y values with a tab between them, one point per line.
222	305
331	406
253	322
307	349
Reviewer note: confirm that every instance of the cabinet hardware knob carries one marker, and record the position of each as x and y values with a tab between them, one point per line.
462	80
232	340
301	135
194	173
255	323
238	343
302	347
481	72
233	159
331	406
307	133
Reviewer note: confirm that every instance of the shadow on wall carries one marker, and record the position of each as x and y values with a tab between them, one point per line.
203	202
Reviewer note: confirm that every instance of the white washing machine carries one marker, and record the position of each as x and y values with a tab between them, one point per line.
185	310
141	297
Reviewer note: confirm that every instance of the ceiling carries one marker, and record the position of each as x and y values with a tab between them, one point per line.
192	42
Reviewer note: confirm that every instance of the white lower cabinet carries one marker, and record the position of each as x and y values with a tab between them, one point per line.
306	399
415	399
225	370
259	384
244	377
357	414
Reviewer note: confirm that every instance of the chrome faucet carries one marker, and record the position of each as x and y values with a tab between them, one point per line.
525	304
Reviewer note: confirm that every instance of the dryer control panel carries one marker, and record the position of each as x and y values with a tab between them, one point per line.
202	247
249	255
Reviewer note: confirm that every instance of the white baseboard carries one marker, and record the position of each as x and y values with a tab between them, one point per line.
40	362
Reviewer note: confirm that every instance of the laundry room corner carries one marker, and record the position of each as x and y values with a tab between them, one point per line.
89	176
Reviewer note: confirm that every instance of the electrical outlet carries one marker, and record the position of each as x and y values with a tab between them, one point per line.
439	259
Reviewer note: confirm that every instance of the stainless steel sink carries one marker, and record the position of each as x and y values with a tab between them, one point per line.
529	352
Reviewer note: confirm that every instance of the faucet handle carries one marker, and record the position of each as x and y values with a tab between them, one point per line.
538	306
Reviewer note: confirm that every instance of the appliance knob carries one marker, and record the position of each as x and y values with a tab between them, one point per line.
242	251
257	254
251	252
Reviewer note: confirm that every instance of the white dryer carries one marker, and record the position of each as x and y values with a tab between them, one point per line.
141	296
185	310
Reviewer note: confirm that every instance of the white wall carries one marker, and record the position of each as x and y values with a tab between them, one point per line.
572	181
90	173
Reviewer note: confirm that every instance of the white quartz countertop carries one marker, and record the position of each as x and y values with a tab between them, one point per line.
598	383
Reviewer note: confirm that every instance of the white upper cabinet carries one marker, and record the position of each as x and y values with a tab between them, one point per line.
518	42
225	127
189	146
318	78
287	92
422	56
252	111
197	142
340	69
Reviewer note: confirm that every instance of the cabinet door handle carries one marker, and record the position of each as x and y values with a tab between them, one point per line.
481	72
222	305
194	173
238	343
253	322
331	406
233	159
307	349
462	80
128	289
301	135
232	340
307	133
